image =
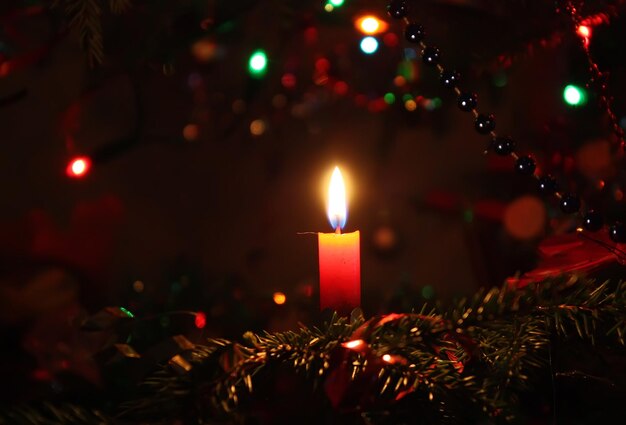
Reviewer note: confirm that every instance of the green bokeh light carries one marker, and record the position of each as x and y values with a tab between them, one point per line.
389	98
257	64
126	312
574	95
468	216
428	292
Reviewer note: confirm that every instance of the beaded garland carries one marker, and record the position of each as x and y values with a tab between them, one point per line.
569	203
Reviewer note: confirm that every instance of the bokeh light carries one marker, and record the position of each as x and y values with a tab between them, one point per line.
574	95
257	64
258	127
369	45
191	132
200	320
370	25
279	298
78	167
138	286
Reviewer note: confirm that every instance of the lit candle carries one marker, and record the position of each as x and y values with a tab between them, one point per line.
340	260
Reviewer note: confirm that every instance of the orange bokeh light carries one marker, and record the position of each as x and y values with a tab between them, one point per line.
370	25
279	298
354	344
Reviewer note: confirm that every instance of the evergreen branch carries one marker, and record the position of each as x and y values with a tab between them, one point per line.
473	358
85	18
48	413
119	6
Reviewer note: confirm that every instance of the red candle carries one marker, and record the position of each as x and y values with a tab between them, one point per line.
339	254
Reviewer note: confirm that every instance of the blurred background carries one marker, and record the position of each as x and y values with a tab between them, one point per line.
173	164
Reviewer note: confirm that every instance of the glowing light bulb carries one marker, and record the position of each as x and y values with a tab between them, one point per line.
78	167
279	298
353	344
369	45
370	25
257	64
574	95
584	32
200	320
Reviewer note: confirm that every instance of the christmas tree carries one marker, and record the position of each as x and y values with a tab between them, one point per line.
166	167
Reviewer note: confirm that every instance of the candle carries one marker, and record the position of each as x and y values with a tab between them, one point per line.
339	255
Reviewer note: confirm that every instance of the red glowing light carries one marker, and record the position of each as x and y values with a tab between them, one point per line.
200	321
322	65
310	35
390	39
288	81
78	167
584	32
341	88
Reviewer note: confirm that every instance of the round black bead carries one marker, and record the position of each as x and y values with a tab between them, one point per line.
617	232
525	165
414	33
467	101
503	145
431	55
450	79
485	123
570	203
593	221
547	185
397	9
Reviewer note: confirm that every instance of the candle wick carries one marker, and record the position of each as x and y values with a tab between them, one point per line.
338	230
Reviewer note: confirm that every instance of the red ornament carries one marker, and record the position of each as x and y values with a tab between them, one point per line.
571	253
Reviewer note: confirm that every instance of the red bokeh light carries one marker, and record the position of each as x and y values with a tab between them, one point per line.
390	39
584	32
78	167
341	88
200	321
288	81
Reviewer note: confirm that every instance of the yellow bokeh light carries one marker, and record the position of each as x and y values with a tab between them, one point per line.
369	25
279	298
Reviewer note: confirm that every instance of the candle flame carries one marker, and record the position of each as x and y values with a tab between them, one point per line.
337	209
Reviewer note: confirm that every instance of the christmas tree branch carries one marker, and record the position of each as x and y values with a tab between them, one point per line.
472	359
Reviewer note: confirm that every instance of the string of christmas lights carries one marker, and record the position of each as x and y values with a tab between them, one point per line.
584	30
485	124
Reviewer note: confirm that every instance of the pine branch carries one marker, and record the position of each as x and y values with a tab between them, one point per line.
119	6
48	413
85	18
455	364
